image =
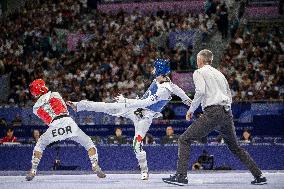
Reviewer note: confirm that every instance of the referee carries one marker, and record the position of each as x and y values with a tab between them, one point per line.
213	92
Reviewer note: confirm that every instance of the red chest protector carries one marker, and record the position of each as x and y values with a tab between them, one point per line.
49	106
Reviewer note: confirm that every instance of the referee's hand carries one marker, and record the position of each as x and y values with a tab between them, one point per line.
189	115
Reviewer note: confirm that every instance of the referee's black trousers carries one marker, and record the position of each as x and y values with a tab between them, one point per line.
214	118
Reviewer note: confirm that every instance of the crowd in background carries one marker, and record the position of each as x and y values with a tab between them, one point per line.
118	57
254	64
116	60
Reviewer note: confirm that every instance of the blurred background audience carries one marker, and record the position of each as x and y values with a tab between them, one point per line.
170	137
9	136
118	138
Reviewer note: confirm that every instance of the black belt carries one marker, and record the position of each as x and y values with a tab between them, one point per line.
221	106
59	117
212	106
139	112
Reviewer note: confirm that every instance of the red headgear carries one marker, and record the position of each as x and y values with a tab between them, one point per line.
37	88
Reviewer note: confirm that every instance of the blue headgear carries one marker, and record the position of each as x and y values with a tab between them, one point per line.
162	67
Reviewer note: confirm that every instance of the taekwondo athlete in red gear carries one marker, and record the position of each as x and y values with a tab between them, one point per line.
52	110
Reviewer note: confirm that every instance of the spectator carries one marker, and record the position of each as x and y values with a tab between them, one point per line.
246	136
120	121
88	121
148	139
170	137
210	7
96	139
9	136
3	122
223	21
17	121
118	138
35	136
234	25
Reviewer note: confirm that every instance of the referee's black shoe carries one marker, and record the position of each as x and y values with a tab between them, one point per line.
259	180
176	179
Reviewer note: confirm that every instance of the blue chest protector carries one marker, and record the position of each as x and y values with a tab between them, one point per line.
152	90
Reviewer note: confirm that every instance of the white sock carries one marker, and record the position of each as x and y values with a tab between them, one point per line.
35	162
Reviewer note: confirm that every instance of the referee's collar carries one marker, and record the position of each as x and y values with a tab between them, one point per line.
205	66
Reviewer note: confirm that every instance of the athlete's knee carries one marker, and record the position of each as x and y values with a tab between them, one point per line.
92	151
37	154
90	146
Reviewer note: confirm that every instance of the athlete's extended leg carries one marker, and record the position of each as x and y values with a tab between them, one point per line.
85	105
141	128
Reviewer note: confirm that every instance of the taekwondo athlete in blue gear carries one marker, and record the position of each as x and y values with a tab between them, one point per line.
162	68
141	111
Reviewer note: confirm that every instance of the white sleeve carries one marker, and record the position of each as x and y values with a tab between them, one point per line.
162	94
130	100
228	91
199	91
180	93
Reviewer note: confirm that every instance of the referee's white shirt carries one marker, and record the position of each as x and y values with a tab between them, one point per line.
211	88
